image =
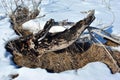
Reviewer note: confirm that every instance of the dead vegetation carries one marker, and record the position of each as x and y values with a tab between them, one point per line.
57	52
20	16
67	59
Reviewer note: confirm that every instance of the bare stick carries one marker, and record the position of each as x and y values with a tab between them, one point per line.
108	53
106	35
42	34
16	1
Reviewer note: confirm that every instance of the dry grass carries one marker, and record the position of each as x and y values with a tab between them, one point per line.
68	59
111	43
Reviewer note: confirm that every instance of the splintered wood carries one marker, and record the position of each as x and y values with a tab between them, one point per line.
57	52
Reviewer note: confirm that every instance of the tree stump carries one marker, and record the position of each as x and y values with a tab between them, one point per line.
57	52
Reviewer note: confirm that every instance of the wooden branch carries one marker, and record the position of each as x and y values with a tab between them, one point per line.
64	23
42	34
104	34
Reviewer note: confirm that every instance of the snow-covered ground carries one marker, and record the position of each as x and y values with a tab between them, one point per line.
106	12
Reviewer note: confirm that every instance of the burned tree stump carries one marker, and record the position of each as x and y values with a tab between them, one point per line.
60	51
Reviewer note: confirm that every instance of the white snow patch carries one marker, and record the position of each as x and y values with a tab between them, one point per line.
116	48
92	71
32	26
57	29
2	16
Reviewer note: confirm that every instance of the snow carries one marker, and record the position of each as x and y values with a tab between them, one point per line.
86	73
32	26
116	48
106	12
